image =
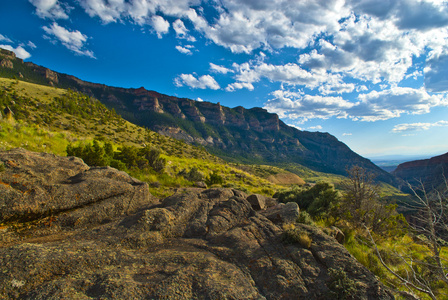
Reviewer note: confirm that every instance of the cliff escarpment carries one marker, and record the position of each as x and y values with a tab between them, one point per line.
430	172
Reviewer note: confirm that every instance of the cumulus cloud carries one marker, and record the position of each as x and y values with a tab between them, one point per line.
296	105
203	82
182	31
219	69
160	25
417	126
72	40
50	9
19	51
239	86
290	73
140	11
374	106
184	50
318	127
393	103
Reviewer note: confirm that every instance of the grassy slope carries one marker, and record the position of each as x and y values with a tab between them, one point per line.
51	130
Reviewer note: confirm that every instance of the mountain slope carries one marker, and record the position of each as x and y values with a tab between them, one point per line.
430	172
235	134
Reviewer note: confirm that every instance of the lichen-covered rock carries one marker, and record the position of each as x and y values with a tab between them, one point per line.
196	244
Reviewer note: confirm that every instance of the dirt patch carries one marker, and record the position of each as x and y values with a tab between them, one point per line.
286	179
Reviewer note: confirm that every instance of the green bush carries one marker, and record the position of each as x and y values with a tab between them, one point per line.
292	235
193	175
341	287
2	166
127	157
317	200
214	178
305	218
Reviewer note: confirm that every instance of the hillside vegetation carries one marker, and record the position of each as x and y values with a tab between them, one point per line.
50	119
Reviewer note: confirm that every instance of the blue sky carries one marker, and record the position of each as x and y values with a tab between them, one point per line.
372	73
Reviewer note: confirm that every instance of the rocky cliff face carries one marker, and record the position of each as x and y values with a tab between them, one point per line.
430	172
73	232
248	135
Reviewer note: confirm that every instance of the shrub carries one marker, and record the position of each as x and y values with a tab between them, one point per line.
292	235
2	166
214	178
341	287
193	175
317	200
305	218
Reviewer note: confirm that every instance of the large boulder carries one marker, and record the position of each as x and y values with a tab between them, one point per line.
195	244
37	185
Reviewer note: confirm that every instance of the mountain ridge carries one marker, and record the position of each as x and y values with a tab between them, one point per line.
235	134
429	172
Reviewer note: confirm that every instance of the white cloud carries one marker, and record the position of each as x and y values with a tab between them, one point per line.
243	26
220	69
318	127
31	45
374	106
51	9
182	31
199	99
184	50
5	39
346	134
160	25
19	51
417	126
140	11
296	105
203	82
72	40
290	73
336	86
393	103
239	86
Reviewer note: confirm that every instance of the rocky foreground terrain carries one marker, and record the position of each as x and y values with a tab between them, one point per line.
74	232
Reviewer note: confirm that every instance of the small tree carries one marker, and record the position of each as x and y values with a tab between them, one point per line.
361	205
360	194
430	220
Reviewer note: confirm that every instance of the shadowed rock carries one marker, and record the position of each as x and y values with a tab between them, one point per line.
197	244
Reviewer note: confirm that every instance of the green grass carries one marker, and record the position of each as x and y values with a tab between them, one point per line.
389	247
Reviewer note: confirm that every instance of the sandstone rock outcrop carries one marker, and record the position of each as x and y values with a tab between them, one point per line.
196	244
